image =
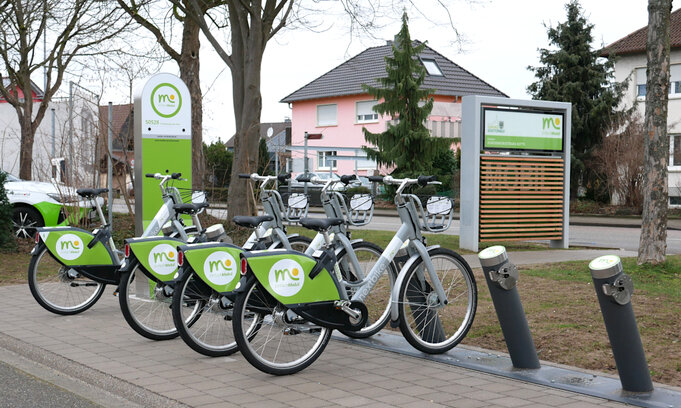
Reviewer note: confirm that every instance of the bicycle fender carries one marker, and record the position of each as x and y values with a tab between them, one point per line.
216	264
394	296
156	255
70	247
286	276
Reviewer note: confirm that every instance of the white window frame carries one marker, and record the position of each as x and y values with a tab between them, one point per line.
321	158
375	115
672	165
329	123
674	82
436	66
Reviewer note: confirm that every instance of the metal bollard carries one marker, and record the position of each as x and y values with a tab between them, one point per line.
501	276
614	289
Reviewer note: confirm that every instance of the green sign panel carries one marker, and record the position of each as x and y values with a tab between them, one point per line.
508	129
162	141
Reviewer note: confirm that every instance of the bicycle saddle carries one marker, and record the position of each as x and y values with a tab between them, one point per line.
251	222
91	192
320	224
189	208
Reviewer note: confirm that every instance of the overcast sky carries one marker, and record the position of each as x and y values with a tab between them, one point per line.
503	37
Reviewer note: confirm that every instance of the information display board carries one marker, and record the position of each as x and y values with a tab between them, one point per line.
162	141
526	130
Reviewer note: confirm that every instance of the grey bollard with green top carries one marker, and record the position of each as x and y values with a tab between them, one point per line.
501	276
614	289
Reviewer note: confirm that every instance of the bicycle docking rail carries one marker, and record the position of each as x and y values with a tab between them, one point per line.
501	277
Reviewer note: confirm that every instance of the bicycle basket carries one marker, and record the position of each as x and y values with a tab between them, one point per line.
437	217
297	206
187	195
360	209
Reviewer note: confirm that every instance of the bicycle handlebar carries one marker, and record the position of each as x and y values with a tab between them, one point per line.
244	176
375	179
347	179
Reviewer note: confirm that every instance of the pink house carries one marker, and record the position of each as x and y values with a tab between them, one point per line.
36	93
335	106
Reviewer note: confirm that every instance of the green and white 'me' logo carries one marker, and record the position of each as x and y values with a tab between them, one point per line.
286	277
163	259
220	268
166	100
69	246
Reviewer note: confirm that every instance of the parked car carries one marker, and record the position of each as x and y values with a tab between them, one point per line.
40	204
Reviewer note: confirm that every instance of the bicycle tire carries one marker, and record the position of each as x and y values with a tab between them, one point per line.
299	243
211	333
48	280
146	309
378	300
431	329
272	329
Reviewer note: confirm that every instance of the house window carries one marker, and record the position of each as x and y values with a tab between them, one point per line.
365	112
675	143
674	80
431	67
640	82
327	115
323	161
674	200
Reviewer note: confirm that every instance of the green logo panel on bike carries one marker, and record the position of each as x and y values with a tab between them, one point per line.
286	276
157	255
216	264
69	246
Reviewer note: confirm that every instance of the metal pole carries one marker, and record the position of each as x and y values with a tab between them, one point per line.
70	177
54	150
305	164
501	277
614	289
109	167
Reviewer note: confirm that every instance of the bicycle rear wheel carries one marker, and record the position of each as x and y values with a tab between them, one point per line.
426	325
61	289
211	333
146	306
271	337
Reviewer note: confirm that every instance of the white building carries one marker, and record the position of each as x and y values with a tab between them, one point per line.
631	63
74	140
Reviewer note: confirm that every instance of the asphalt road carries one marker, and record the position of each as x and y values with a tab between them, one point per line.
580	235
626	238
22	390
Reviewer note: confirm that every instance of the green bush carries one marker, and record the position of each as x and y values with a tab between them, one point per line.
7	241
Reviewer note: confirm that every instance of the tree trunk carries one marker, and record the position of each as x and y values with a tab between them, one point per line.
189	73
27	139
653	242
247	52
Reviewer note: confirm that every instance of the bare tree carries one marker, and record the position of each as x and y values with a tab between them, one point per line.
249	26
71	29
653	242
618	158
160	23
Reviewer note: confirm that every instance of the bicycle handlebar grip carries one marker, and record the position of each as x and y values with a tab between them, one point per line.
283	177
347	179
244	175
424	180
175	176
304	178
375	179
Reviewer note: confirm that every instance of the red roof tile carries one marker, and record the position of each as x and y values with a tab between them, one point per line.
636	42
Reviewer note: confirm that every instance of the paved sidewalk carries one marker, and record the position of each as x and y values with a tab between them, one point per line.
107	354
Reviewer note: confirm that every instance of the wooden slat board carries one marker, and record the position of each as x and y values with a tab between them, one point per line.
521	198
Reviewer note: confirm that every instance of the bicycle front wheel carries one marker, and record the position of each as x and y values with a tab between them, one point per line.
146	306
61	289
378	299
202	317
428	325
273	338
